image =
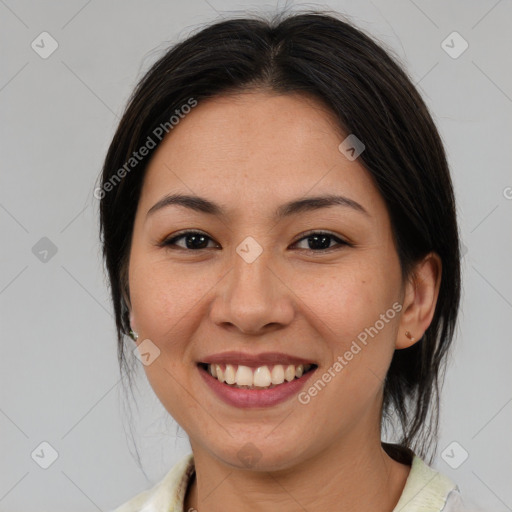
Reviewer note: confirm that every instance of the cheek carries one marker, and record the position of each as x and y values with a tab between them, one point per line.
345	300
162	296
357	325
355	312
164	301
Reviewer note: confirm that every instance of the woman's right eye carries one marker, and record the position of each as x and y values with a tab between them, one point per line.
193	240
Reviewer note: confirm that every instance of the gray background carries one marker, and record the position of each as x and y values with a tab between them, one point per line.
60	381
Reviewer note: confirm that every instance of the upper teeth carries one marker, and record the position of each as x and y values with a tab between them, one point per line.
262	377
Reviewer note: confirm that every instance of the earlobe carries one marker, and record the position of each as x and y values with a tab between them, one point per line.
406	339
422	291
410	336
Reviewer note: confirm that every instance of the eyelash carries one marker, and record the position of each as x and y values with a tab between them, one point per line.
168	243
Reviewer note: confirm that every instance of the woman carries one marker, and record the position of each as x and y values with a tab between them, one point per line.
279	229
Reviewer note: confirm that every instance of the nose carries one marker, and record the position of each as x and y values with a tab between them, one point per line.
253	298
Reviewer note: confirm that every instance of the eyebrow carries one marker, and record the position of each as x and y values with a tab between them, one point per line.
202	205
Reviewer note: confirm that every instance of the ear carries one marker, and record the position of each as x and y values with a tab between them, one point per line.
421	292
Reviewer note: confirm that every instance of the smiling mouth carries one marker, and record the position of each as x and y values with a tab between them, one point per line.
261	377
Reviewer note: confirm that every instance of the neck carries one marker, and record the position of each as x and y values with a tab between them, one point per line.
352	475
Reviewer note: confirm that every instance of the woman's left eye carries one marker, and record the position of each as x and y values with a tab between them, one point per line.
195	240
321	241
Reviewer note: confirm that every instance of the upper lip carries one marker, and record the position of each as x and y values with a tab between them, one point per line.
254	360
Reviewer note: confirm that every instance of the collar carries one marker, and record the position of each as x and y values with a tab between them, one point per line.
425	490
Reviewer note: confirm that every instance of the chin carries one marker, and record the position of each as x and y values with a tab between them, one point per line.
258	455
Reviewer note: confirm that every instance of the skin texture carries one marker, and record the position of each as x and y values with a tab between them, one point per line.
250	153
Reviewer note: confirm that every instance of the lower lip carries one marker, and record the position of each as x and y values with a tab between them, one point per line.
249	398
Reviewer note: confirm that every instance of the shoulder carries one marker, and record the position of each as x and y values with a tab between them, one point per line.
167	494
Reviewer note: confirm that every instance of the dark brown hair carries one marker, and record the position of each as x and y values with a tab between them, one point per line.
371	96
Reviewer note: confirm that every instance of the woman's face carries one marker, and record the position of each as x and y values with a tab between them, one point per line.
257	284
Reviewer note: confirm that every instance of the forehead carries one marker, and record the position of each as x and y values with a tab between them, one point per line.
256	148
